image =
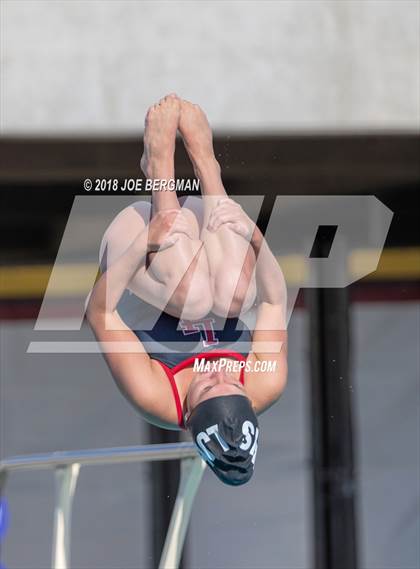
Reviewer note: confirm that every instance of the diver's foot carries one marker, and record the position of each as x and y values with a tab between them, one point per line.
196	133
159	136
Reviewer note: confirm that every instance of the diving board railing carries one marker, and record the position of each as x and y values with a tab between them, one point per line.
67	466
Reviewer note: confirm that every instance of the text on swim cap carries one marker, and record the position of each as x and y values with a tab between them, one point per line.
248	429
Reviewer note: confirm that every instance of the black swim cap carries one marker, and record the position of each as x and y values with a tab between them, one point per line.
225	430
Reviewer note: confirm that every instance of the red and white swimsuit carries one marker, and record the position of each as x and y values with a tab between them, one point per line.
171	372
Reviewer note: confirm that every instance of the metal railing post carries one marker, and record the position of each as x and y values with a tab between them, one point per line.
67	465
65	479
191	473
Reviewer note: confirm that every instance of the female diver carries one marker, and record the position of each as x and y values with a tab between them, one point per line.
179	277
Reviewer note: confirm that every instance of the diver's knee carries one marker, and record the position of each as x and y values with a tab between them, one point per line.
225	285
193	296
233	295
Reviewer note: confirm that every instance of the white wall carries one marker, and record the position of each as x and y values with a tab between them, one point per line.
94	67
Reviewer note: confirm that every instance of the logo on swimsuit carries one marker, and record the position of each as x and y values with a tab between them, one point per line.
202	327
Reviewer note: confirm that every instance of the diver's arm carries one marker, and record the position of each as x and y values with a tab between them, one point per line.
125	355
269	338
110	287
271	286
269	344
137	376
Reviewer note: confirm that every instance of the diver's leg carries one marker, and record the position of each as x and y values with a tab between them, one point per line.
183	267
118	237
177	278
231	259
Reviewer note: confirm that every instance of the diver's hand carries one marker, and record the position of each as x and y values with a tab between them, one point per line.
229	213
165	229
